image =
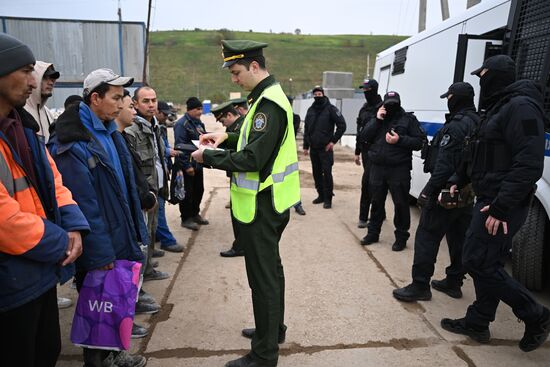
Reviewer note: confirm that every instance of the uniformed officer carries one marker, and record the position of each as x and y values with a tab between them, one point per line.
324	126
506	160
443	158
264	185
232	120
366	113
392	136
241	105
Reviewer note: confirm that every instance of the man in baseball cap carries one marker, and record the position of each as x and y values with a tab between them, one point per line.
104	76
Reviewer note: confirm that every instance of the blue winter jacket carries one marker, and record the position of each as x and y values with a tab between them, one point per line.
27	276
116	221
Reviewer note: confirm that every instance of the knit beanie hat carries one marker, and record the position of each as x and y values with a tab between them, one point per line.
192	103
13	54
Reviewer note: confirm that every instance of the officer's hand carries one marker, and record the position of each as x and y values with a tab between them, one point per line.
422	200
107	267
197	155
492	223
306	152
381	114
357	160
213	139
74	249
392	139
329	147
452	190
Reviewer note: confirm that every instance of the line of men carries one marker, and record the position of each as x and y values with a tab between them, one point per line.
496	157
90	198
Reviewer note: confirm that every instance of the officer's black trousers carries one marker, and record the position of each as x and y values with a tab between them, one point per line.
483	257
398	181
321	165
364	203
194	189
436	222
260	242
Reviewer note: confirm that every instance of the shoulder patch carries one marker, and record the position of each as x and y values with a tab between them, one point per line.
445	140
259	122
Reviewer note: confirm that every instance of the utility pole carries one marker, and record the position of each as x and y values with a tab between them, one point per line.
422	15
444	9
146	51
120	45
368	66
471	3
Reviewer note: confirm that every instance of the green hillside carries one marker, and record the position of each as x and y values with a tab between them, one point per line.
188	63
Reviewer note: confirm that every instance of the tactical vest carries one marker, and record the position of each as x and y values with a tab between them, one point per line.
284	179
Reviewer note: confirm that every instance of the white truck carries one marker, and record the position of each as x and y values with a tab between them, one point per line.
423	66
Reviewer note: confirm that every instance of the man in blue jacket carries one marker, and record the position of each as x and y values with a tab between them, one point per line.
40	224
98	170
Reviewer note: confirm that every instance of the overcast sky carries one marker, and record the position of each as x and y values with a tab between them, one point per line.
312	17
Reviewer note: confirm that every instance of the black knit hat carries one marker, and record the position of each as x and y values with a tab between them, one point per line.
192	103
13	54
318	88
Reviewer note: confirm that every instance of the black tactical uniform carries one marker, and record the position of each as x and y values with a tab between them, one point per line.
390	168
321	120
506	159
366	113
443	159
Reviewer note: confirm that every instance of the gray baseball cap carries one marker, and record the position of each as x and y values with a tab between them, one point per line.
101	76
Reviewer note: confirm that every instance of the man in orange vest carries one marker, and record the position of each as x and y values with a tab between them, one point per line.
40	223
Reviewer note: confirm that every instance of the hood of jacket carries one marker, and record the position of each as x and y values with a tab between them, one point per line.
69	128
522	87
34	104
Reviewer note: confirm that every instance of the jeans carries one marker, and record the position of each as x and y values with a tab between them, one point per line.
163	233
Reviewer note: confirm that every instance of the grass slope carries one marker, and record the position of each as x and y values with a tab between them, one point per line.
187	63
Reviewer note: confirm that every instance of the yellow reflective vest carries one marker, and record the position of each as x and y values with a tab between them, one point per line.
284	179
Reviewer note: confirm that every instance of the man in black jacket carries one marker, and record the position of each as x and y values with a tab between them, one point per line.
443	159
319	135
366	113
507	160
392	136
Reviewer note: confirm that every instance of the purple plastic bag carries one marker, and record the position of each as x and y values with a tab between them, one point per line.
106	305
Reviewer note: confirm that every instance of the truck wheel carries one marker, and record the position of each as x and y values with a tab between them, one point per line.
528	252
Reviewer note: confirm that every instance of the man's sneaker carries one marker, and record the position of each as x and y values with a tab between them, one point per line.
362	224
300	210
157	253
176	247
459	326
147	308
369	239
139	331
399	245
63	302
450	289
249	333
155	275
125	359
155	263
412	293
318	200
190	224
200	220
145	297
536	333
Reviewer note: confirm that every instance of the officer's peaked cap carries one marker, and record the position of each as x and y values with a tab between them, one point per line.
235	50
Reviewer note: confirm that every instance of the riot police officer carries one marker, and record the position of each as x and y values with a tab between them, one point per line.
366	113
392	136
506	159
442	160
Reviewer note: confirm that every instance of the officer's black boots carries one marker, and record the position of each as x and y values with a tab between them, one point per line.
369	239
232	253
327	205
447	287
536	333
249	333
247	361
460	326
318	200
399	245
413	292
300	209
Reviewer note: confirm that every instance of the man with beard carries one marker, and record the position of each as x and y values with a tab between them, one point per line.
443	159
366	113
392	136
506	160
319	134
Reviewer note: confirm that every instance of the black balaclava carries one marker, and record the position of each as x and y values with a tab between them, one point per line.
458	103
319	100
491	84
392	109
371	95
